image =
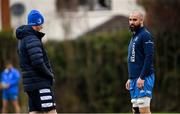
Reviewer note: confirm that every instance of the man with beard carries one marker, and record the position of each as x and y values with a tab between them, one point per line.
140	65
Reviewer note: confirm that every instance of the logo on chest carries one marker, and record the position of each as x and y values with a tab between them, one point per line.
133	53
133	49
136	38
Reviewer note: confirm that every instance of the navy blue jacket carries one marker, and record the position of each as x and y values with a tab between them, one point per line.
140	54
34	63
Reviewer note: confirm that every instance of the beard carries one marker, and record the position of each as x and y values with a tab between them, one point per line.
134	28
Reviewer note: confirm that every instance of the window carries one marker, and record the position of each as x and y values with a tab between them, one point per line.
91	5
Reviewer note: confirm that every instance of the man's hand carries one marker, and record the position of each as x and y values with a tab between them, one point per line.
140	83
4	85
128	84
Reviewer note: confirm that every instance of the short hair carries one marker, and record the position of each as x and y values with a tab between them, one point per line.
139	13
7	62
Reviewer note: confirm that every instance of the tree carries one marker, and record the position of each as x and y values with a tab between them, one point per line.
162	16
5	14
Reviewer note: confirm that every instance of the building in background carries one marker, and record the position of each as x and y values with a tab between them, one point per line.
69	24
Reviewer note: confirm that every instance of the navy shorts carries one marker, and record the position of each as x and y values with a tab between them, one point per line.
41	100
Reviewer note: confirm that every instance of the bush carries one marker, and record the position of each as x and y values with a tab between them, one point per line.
91	73
8	51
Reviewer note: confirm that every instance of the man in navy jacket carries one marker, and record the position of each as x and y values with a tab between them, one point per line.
140	65
36	69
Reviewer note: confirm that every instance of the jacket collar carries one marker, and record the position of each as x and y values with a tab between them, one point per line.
40	35
139	30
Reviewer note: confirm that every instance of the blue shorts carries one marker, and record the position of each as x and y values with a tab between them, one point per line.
135	92
9	96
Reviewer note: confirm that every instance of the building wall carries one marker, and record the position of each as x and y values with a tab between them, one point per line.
42	6
124	7
70	25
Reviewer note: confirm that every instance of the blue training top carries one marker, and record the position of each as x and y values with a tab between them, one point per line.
11	77
140	54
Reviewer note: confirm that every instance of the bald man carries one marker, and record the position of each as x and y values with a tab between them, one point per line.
140	65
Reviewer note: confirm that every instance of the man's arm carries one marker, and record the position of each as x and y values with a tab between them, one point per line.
128	84
4	84
35	53
148	46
